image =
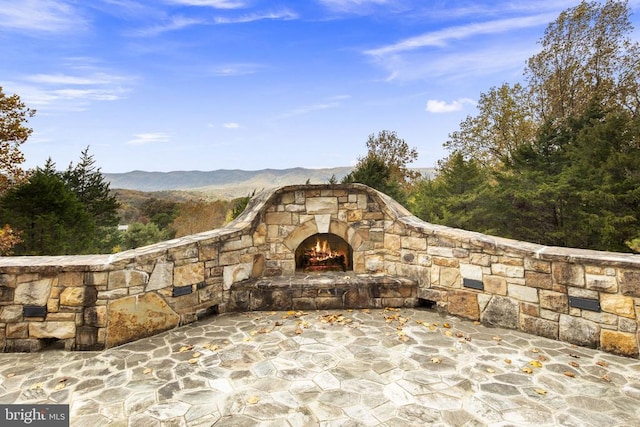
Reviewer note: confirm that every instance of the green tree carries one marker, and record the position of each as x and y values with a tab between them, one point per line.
376	173
396	154
49	215
139	234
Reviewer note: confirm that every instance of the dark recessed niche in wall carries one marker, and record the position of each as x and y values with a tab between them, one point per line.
473	284
182	290
584	303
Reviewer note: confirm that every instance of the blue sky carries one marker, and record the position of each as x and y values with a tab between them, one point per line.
163	85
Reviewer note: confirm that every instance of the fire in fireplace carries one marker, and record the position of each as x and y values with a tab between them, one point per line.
324	252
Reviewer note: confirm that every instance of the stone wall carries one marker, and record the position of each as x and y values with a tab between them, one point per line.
587	298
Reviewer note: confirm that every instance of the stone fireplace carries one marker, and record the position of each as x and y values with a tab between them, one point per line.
324	252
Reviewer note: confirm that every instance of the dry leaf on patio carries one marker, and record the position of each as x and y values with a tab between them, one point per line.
196	355
569	374
60	386
542	358
527	370
365	310
436	360
507	361
193	361
574	364
432	328
490	370
540	391
606	378
290	313
602	363
247	339
252	400
497	338
11	375
535	364
298	331
448	333
535	350
574	355
446	325
185	348
36	386
420	322
147	371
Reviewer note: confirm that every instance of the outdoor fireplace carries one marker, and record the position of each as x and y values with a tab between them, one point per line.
324	252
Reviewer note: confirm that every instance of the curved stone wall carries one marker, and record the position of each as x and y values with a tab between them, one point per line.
583	297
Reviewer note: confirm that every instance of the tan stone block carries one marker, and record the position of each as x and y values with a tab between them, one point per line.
99	278
529	309
623	343
278	218
188	274
439	251
554	301
463	304
74	278
53	305
506	270
630	283
95	316
73	297
602	318
495	285
413	243
450	277
57	317
353	216
617	304
568	274
445	262
480	259
602	283
537	265
59	330
321	205
139	316
126	278
10	313
33	293
540	327
18	330
507	260
538	280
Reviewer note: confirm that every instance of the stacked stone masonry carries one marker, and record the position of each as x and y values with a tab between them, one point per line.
587	298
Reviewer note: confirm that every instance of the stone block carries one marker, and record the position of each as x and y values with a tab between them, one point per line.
125	278
579	331
278	218
73	297
501	311
602	283
6	294
188	274
59	330
33	293
522	293
538	280
99	278
622	343
356	297
435	295
138	316
321	205
537	265
630	283
443	252
161	276
95	316
604	319
618	304
71	278
413	243
554	301
464	304
529	309
329	303
304	304
18	330
495	285
236	273
449	278
539	327
568	274
507	270
10	314
469	271
113	294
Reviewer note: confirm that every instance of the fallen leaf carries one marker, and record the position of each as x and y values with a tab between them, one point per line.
602	363
527	370
535	350
60	386
298	331
36	386
569	374
253	333
448	333
436	360
432	328
290	313
535	364
459	334
252	400
507	361
185	348
420	322
606	378
497	338
477	323
574	356
574	364
278	323
196	355
147	371
446	325
542	358
490	370
193	361
365	310
264	331
246	339
540	391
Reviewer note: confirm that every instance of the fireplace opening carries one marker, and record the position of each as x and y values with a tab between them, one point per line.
324	252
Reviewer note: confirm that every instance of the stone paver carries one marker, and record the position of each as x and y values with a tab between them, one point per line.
332	368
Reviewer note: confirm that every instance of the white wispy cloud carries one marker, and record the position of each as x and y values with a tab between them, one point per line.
437	106
37	16
231	125
332	102
236	69
356	6
149	138
441	38
285	15
173	23
217	4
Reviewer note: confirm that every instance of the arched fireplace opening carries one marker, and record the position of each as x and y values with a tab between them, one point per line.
324	252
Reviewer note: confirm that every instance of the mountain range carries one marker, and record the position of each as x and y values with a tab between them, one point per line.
225	183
